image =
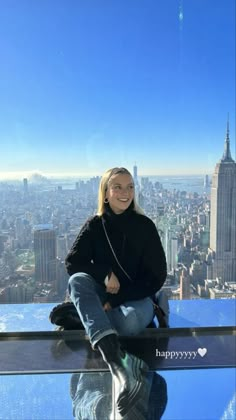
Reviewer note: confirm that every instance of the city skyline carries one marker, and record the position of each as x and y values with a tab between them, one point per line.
39	222
92	86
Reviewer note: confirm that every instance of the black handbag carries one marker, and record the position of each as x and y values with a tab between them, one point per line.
161	316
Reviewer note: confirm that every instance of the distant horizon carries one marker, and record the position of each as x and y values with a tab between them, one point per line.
66	176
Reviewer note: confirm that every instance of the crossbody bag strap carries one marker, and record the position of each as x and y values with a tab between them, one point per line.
113	252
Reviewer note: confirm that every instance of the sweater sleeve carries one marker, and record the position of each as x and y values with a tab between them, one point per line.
152	273
80	257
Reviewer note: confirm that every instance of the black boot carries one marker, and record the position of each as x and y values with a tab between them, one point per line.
66	316
127	372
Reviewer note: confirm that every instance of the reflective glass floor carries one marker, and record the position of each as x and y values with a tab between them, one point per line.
177	388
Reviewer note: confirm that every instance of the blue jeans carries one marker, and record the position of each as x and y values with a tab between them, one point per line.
130	318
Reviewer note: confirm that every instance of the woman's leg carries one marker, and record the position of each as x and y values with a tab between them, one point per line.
132	317
88	298
127	370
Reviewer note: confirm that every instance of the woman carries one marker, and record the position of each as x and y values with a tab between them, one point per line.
116	264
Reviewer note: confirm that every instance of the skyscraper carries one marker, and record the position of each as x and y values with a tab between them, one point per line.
135	178
25	185
45	253
185	291
223	218
135	173
206	181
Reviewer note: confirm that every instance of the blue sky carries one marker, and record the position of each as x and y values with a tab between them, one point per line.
86	85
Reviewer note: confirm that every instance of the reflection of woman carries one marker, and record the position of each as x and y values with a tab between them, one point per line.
116	264
92	397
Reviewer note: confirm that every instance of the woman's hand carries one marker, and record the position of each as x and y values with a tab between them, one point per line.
113	285
107	307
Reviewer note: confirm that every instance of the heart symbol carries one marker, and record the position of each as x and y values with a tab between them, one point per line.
202	352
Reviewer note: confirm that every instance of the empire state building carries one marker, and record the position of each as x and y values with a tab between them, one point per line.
223	217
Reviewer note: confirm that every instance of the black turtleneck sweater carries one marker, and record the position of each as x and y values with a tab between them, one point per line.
138	248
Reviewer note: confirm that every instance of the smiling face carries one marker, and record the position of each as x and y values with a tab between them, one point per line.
120	192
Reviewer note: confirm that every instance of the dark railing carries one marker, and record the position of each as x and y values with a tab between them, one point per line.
70	351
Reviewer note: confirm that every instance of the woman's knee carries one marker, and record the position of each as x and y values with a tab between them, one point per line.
78	279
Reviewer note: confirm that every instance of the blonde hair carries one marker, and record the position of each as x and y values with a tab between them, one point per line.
104	185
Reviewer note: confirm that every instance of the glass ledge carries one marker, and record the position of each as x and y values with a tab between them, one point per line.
201	390
70	351
183	313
